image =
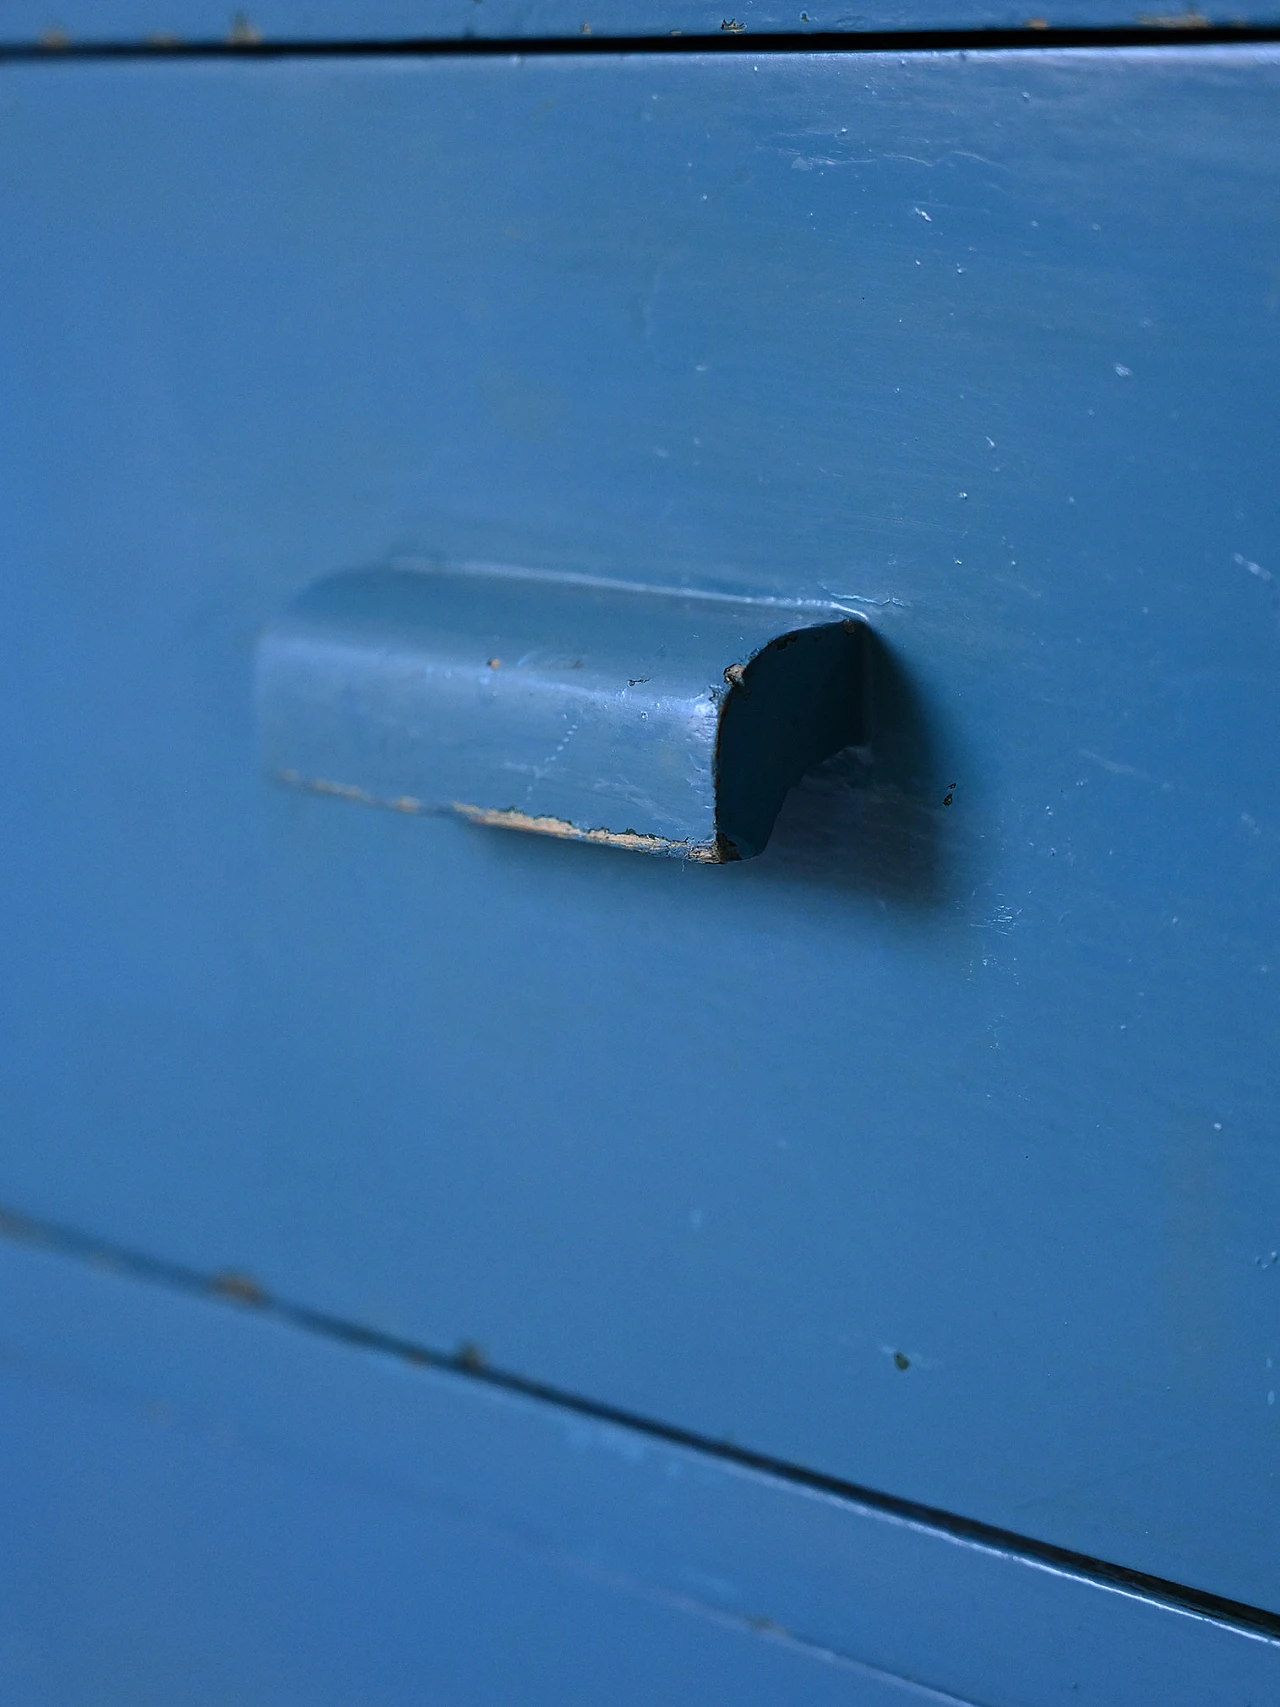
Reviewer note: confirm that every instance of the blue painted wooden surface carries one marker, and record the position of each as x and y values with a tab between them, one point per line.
205	1504
936	1148
56	23
168	1537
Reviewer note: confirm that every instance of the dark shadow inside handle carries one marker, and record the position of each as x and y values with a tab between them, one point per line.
799	701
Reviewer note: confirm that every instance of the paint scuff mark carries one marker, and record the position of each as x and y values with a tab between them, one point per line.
1253	568
707	853
1190	20
1112	765
348	791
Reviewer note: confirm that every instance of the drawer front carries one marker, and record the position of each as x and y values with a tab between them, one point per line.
934	1149
287	1520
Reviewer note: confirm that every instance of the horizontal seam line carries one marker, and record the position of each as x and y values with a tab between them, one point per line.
20	1228
1026	39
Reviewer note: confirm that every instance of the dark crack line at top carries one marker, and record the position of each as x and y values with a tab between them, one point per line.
1030	39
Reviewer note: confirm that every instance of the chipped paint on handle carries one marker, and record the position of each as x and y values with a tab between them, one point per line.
708	853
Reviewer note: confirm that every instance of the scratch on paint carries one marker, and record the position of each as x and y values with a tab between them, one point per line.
708	853
1111	765
347	791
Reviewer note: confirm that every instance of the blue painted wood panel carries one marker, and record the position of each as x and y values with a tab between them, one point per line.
934	1149
160	1551
207	1504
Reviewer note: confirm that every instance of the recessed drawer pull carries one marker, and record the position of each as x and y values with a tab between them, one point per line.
667	723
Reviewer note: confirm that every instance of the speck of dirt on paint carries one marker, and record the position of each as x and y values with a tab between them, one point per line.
901	1360
495	663
240	1288
470	1357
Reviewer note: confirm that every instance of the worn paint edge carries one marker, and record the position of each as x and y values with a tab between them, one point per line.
349	791
718	852
706	853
